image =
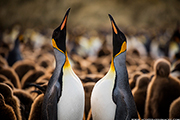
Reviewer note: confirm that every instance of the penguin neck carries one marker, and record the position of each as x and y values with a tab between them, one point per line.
60	59
120	69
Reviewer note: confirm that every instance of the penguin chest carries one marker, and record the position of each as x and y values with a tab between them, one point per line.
103	107
71	102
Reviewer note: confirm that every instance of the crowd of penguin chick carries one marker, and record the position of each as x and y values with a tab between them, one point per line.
153	79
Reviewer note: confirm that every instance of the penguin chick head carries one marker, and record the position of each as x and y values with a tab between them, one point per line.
119	39
162	67
143	81
59	35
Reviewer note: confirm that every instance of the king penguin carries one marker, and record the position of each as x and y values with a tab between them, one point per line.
111	97
64	97
15	54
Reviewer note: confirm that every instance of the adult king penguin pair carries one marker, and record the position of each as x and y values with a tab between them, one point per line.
111	96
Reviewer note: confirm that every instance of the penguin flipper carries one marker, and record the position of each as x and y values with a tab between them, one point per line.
121	107
50	104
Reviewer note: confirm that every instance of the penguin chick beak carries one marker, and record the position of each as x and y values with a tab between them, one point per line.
63	24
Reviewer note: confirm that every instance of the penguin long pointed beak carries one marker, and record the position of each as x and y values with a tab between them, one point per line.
63	24
113	24
119	39
59	35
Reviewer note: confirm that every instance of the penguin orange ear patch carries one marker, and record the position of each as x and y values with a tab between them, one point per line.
114	28
55	45
64	22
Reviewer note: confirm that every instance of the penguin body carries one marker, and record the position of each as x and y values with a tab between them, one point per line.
15	54
103	107
162	91
111	97
64	97
35	112
12	76
25	102
174	110
10	99
139	93
6	111
22	67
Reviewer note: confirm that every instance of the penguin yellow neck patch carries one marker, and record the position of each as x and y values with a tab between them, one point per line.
112	68
66	64
123	48
55	45
64	22
114	28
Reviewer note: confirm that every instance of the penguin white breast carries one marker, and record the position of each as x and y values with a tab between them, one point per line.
71	103
103	107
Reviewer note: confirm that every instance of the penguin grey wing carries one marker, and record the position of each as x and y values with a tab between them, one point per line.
121	107
52	104
51	98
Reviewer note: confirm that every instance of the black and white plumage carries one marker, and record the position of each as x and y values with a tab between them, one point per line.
111	97
64	96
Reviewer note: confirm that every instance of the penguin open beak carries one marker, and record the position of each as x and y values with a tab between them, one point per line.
63	24
119	39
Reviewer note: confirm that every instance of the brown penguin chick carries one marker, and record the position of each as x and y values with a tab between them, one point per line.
10	99
22	67
88	89
12	76
25	102
6	111
43	78
30	77
132	81
3	62
139	93
5	80
35	112
174	110
162	90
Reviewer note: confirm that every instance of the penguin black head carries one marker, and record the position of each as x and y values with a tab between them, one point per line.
119	39
59	35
